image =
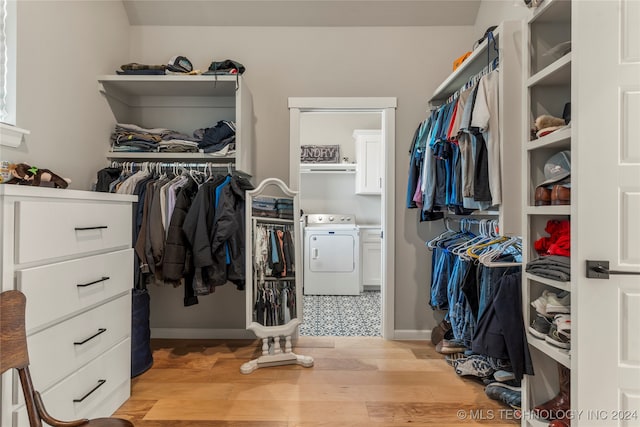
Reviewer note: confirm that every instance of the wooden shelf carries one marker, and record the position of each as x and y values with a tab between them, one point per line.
470	67
560	139
556	74
557	354
564	286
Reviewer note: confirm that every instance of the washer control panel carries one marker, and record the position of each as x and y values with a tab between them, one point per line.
331	219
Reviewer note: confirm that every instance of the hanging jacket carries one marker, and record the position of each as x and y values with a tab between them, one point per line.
208	228
227	243
177	258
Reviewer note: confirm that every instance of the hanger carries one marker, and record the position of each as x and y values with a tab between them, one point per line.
431	244
488	258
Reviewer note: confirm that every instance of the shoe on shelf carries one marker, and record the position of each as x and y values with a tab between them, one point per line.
558	304
540	303
558	406
504	393
540	326
542	196
560	333
560	195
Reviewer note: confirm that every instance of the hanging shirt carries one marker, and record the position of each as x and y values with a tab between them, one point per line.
485	117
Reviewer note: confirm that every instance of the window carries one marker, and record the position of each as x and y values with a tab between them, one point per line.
10	135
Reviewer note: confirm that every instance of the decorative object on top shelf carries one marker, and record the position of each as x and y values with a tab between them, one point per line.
320	154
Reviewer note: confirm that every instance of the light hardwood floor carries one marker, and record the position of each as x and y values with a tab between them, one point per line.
355	382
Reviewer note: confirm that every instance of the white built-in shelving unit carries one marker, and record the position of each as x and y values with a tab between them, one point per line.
547	64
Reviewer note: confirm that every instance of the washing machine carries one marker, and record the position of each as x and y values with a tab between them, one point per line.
331	255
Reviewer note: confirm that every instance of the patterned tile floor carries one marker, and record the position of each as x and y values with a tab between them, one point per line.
342	315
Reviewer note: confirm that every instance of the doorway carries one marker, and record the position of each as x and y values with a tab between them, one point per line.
342	153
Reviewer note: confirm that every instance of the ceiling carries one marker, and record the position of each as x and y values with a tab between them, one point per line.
296	13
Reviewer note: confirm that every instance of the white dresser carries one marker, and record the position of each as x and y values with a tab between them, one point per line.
70	253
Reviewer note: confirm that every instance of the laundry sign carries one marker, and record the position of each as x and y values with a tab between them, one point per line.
320	154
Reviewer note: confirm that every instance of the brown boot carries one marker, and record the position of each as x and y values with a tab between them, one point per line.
560	195
542	196
559	406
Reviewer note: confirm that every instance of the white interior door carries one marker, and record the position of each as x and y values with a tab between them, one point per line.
606	69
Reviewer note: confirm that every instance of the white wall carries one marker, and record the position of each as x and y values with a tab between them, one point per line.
493	12
62	47
407	63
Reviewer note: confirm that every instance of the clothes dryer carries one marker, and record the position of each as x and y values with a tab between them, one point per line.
331	255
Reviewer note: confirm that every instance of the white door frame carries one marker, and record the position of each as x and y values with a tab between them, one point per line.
387	108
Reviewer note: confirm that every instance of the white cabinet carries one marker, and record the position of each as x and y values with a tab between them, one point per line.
273	267
371	260
547	88
70	253
368	161
183	104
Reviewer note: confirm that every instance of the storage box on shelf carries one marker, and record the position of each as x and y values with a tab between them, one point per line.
547	88
184	104
77	283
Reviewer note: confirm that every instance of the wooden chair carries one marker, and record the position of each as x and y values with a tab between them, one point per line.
13	342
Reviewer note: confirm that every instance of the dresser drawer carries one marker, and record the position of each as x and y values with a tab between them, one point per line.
60	350
57	290
55	229
105	375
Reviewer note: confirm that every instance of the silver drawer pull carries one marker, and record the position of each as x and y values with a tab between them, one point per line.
100	384
91	228
100	331
82	285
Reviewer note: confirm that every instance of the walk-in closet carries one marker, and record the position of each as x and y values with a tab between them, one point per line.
311	213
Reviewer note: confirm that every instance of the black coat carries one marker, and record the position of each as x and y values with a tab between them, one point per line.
177	256
216	231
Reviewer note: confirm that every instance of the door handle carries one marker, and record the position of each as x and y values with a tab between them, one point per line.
600	270
315	253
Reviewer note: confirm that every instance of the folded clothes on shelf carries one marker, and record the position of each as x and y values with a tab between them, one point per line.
554	267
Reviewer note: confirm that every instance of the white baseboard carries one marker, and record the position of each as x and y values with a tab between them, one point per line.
195	333
411	335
